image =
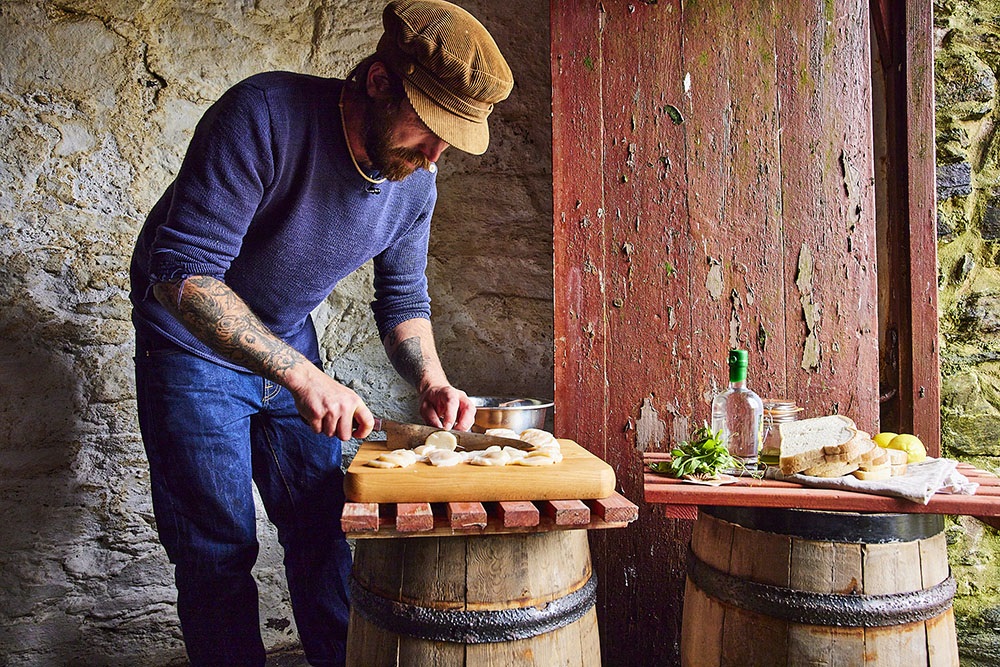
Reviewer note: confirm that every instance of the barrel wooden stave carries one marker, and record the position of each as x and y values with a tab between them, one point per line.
717	633
477	573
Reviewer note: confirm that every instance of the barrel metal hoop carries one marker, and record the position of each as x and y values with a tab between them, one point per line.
855	527
473	627
831	609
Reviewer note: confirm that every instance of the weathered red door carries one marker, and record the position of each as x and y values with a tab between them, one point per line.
713	188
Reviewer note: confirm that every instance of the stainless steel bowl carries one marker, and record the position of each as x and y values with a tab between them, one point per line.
516	414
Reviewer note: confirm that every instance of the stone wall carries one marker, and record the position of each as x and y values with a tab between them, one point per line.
98	99
967	62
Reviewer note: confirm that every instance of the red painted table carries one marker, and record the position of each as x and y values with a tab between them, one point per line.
682	499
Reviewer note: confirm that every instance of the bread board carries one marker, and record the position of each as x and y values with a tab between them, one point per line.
580	475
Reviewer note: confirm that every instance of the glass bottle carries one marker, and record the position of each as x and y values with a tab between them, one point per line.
739	413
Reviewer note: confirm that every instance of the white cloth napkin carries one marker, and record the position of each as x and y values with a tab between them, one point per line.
921	481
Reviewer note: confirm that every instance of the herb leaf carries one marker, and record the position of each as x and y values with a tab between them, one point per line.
704	453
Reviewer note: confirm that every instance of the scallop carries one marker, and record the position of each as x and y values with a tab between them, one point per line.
444	458
442	440
379	463
424	449
399	458
538	438
503	433
491	458
406	455
514	453
546	452
535	461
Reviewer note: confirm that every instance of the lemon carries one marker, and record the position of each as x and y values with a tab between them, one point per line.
884	438
915	451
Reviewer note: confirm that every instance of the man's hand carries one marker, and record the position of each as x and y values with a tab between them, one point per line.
448	408
331	408
410	347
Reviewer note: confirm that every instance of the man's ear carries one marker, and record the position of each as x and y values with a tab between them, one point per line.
377	82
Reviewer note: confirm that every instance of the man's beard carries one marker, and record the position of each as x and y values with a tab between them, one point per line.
392	162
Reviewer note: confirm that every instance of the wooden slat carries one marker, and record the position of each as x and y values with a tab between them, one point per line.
359	517
413	517
580	320
646	390
988	490
567	512
579	235
466	515
683	512
518	514
968	469
734	197
909	336
924	404
828	208
427	519
615	508
494	526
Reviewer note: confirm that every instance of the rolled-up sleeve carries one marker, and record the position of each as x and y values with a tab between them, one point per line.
401	277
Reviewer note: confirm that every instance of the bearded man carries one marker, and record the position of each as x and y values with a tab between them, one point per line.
290	183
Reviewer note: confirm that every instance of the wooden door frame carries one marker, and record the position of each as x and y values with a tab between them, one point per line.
910	391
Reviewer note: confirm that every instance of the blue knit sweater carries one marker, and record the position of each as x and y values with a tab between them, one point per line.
267	201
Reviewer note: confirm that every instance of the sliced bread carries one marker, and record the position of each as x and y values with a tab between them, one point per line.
876	457
879	472
808	443
896	459
832	469
896	456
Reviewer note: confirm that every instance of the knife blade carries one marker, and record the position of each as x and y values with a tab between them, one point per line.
412	435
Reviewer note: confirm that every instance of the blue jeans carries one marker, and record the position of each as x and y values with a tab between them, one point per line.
210	433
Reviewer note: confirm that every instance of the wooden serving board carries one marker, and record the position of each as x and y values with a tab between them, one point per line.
580	475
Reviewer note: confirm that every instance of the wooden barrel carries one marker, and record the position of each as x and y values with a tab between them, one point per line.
512	599
801	587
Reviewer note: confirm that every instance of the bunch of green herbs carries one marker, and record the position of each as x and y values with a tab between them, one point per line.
704	455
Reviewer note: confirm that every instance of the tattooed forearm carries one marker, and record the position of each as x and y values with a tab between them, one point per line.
218	317
407	358
410	348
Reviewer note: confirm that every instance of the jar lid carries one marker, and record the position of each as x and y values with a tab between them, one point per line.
781	409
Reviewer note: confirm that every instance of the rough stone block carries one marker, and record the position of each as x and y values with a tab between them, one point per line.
954	180
990	226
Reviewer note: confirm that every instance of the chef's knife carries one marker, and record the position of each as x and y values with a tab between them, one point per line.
411	435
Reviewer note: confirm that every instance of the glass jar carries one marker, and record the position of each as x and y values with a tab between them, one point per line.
776	411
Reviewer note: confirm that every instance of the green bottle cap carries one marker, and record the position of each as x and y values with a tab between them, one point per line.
738	360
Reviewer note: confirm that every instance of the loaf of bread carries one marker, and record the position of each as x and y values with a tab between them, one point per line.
820	441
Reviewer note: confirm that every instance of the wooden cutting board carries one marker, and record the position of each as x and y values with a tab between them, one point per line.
580	475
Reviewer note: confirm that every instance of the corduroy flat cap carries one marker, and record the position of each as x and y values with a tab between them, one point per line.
452	70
